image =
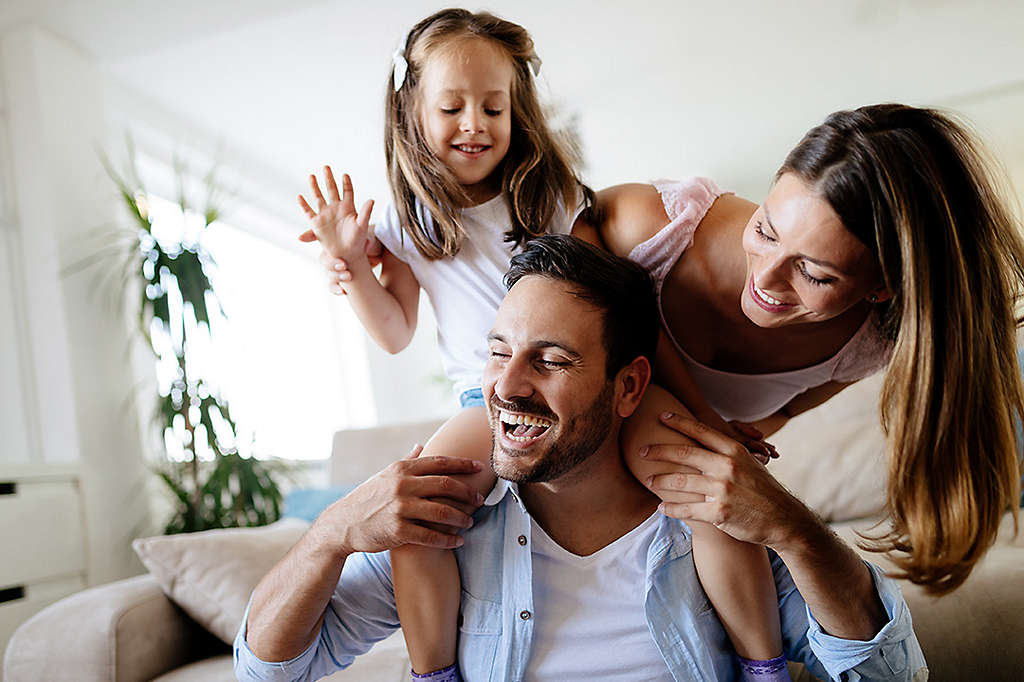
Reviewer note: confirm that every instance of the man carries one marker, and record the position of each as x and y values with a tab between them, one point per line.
569	570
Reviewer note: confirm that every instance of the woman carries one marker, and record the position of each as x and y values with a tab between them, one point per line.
883	244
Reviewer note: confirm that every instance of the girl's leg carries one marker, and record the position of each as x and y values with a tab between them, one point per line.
735	575
426	580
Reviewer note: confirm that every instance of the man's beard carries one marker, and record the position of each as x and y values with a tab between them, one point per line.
577	439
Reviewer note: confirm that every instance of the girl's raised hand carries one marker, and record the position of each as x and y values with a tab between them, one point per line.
341	231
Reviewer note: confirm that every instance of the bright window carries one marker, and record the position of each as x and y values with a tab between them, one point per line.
289	358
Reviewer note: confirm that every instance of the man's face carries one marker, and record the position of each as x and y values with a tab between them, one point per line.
549	401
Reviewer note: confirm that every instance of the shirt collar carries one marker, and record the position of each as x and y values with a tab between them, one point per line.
500	490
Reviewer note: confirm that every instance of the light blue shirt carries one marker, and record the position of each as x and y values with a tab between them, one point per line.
496	615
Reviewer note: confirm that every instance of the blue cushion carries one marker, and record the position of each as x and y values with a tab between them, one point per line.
307	503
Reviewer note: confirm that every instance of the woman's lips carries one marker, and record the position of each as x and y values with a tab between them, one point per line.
765	301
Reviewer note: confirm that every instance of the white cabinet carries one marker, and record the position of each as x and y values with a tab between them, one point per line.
42	550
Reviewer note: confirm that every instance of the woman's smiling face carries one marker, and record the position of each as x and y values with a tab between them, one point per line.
803	265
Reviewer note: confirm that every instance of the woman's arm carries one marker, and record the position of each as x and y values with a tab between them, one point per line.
744	500
807	400
630	215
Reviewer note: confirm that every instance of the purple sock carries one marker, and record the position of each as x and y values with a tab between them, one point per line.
772	670
449	674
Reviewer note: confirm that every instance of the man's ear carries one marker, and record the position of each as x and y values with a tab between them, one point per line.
630	384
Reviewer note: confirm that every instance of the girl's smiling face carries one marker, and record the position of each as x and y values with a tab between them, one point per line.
465	110
803	265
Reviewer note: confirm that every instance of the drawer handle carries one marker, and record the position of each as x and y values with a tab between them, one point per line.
12	593
8	488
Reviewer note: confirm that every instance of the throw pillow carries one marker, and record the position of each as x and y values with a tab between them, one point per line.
211	574
308	503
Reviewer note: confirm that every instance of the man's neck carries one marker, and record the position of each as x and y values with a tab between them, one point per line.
593	505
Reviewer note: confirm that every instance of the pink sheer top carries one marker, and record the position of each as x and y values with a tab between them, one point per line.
746	397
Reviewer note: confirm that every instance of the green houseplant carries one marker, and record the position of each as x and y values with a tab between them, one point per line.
212	485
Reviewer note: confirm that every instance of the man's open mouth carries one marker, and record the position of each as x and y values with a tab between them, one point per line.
523	428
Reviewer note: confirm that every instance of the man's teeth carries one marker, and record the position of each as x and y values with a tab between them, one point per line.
514	419
766	298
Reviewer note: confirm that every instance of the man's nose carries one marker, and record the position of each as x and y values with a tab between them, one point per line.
514	380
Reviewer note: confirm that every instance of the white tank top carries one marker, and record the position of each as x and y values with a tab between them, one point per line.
746	397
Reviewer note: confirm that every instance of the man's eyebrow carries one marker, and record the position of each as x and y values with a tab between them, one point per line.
545	343
823	263
541	343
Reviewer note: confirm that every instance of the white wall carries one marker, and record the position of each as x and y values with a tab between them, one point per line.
73	378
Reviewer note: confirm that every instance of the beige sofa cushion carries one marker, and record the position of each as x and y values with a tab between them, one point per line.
833	457
211	574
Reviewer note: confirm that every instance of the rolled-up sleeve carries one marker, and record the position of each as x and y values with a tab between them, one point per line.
892	654
361	613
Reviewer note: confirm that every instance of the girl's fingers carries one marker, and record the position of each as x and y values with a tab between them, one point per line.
364	214
307	236
332	186
321	203
347	195
306	208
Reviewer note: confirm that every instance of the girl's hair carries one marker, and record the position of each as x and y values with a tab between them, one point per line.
912	185
537	172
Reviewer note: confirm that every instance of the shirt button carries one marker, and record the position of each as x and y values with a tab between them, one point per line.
525	615
522	540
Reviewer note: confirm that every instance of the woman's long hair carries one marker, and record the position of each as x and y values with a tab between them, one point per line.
912	185
538	178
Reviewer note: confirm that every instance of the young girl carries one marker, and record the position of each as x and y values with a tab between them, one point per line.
475	173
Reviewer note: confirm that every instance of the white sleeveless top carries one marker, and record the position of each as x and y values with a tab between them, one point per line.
735	396
465	291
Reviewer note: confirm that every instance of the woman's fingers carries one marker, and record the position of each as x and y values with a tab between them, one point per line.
678	453
703	434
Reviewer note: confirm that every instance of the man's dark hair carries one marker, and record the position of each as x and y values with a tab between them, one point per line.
621	289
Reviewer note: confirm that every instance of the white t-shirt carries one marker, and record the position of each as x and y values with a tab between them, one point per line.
465	291
588	611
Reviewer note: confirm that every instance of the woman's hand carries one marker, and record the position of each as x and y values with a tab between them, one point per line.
740	497
343	233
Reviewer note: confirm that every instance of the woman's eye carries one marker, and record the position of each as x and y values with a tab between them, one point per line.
758	228
816	281
451	110
493	112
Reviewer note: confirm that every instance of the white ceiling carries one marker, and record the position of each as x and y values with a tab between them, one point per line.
659	88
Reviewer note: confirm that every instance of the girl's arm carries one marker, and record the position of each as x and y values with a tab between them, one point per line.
387	307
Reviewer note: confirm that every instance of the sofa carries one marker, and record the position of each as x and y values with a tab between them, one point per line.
174	623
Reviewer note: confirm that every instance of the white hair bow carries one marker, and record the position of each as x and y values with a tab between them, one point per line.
401	66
